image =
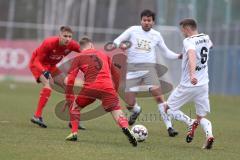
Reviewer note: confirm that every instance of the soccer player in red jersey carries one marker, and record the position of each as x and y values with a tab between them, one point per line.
101	82
43	65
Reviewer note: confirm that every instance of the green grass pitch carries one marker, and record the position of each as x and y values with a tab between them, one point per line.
21	140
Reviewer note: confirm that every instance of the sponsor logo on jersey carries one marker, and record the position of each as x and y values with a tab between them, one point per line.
198	68
56	57
143	44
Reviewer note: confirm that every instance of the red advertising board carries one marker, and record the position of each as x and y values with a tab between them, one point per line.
15	56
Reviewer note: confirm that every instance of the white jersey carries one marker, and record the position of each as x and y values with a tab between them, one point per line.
201	43
144	44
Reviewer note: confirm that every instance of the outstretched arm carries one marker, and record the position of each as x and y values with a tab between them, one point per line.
123	37
167	52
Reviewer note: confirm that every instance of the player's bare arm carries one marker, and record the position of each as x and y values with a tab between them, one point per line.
192	65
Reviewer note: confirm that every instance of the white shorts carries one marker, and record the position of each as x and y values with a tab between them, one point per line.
199	95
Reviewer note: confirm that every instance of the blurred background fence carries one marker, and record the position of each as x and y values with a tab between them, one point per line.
24	23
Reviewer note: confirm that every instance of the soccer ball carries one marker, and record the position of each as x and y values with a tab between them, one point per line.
140	132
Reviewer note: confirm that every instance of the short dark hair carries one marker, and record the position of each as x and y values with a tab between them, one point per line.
84	41
188	22
148	13
66	29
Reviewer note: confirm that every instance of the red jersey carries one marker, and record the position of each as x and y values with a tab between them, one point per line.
96	67
50	52
99	73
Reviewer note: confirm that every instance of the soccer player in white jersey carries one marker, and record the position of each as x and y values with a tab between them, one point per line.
141	60
194	82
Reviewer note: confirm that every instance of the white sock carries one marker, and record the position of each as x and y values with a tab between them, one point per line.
207	127
136	108
180	116
166	119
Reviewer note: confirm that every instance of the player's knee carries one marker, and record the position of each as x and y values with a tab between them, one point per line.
199	117
155	89
43	80
131	102
157	95
159	99
47	85
130	99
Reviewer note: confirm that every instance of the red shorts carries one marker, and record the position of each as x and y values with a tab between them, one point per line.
109	98
37	73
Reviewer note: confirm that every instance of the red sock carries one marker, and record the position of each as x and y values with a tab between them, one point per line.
74	119
123	122
44	95
74	126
